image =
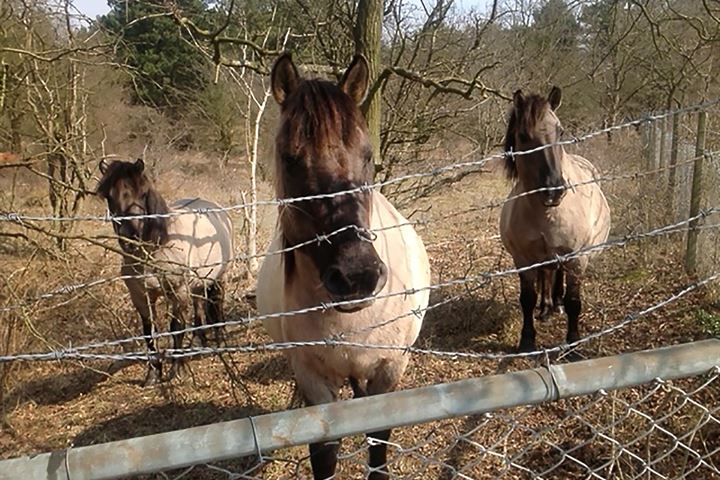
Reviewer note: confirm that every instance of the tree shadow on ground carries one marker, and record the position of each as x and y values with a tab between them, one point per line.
60	388
269	369
175	416
466	323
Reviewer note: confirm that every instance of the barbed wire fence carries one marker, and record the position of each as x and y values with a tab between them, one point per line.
666	429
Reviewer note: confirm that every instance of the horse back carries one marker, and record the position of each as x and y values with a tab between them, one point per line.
201	240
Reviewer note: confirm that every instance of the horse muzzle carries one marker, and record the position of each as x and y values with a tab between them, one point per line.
356	286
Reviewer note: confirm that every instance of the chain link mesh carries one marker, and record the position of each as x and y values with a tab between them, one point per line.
668	430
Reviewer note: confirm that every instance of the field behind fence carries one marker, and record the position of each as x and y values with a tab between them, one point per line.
72	354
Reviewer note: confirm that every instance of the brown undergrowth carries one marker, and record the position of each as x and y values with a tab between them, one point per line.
55	405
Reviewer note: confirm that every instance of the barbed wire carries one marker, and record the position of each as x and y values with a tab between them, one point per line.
19	217
76	352
364	233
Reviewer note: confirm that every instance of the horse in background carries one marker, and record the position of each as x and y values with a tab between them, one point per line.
182	257
323	147
561	218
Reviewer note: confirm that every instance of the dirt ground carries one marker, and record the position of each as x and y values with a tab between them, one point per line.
56	405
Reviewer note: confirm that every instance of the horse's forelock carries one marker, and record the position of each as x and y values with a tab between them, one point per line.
533	112
321	114
526	120
114	172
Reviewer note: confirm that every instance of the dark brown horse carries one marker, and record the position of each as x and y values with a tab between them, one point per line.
181	257
322	147
554	221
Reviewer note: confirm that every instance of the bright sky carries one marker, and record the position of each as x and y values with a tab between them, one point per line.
93	8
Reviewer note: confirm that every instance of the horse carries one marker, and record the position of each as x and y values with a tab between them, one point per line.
323	147
181	256
561	218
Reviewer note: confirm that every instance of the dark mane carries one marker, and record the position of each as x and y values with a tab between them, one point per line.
326	113
155	230
532	111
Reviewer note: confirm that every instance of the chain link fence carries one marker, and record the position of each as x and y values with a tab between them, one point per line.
572	420
667	430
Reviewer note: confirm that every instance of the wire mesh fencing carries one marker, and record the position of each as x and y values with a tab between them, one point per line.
556	421
667	429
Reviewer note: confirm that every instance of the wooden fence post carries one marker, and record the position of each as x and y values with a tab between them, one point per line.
672	176
652	151
696	195
662	151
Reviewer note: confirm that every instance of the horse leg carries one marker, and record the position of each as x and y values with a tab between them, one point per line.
386	378
199	316
545	278
214	313
145	305
558	291
154	373
573	306
316	390
528	299
180	305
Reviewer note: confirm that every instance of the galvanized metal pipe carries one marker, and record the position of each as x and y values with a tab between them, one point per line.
265	433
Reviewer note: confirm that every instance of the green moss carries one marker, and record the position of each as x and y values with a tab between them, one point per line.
710	322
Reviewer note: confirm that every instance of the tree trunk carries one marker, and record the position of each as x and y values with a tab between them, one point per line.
368	31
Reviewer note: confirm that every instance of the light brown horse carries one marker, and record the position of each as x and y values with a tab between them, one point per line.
559	220
182	257
322	146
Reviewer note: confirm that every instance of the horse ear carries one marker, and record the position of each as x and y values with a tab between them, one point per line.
140	165
284	78
555	97
356	79
103	166
518	100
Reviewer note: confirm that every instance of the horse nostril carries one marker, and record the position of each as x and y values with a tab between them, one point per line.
336	282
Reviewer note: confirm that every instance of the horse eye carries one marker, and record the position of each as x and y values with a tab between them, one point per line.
368	157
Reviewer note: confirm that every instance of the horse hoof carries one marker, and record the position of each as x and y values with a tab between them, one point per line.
152	378
559	310
545	315
379	474
201	339
177	370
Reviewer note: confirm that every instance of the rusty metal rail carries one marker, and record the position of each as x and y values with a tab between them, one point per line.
266	433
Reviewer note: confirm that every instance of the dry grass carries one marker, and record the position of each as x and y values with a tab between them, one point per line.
48	406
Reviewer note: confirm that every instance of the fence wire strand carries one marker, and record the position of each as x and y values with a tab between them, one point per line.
19	217
76	352
670	429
